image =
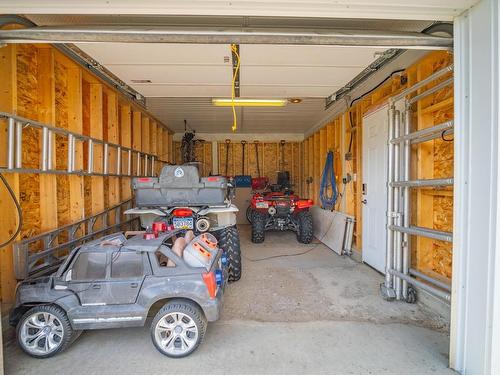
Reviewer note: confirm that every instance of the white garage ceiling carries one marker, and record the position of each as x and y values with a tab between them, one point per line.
179	80
205	118
184	79
180	70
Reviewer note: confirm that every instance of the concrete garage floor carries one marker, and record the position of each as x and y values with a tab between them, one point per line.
315	313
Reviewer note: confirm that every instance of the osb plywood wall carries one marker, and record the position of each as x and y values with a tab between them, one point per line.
273	157
40	83
433	208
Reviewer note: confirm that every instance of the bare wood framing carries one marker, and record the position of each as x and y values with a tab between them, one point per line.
434	207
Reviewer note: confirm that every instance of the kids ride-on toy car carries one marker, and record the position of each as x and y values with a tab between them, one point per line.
281	211
183	200
114	282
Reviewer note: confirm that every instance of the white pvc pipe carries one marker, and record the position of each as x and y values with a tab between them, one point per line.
10	143
406	200
390	197
396	194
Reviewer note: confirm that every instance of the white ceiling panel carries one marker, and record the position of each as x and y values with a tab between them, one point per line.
184	79
285	91
179	74
168	54
184	90
297	76
331	56
200	70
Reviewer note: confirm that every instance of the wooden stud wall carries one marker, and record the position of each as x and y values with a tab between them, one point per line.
40	83
434	159
8	223
269	159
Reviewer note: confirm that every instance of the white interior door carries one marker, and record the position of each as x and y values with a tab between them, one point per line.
374	197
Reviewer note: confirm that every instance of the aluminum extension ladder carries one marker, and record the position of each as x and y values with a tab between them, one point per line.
400	278
144	162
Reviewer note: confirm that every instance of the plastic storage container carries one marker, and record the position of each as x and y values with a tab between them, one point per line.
179	185
243	181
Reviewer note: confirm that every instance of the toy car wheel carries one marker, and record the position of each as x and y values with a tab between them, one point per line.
178	328
305	227
229	241
249	214
258	227
44	331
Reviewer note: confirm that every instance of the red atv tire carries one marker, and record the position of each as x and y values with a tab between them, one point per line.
305	227
258	226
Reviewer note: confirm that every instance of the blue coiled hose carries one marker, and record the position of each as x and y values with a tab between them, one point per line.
328	196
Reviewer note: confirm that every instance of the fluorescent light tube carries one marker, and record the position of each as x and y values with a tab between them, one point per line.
239	102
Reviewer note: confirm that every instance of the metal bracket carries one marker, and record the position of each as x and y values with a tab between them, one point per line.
389	294
394	215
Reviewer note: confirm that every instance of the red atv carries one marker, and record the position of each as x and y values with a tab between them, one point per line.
278	210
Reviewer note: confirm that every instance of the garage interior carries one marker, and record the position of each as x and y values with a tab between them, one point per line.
140	98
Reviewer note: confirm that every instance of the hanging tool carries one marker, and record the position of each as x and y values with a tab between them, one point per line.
243	144
187	144
328	188
228	142
256	143
243	180
282	152
258	183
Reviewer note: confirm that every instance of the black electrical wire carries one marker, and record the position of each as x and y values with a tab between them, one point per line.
446	139
350	134
19	211
283	255
376	87
362	96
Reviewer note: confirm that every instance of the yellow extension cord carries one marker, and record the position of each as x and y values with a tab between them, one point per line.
233	93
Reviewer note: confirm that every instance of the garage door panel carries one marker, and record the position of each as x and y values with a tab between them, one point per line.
162	53
269	91
173	74
183	90
307	55
307	76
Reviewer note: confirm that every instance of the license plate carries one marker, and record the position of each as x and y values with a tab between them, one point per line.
262	205
183	222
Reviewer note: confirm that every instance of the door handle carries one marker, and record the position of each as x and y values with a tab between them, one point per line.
364	201
134	285
96	286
